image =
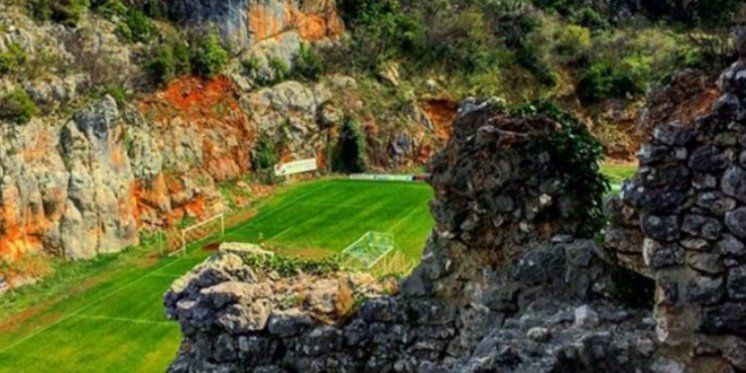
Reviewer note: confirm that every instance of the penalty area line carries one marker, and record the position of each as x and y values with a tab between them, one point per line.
124	319
85	307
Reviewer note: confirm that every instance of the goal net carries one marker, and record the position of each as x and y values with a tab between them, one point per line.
179	239
378	254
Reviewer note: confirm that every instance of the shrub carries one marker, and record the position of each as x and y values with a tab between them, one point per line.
13	58
118	93
280	68
606	80
208	57
137	27
264	159
66	12
109	8
168	60
17	107
571	43
587	17
265	156
307	64
349	152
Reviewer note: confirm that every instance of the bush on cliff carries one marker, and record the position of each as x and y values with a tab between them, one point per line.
137	27
168	60
264	158
66	12
12	59
207	55
17	107
607	80
307	64
349	152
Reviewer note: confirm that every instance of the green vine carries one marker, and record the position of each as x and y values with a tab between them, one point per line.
575	154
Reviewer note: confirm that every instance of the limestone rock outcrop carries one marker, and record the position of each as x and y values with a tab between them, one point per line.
244	23
88	173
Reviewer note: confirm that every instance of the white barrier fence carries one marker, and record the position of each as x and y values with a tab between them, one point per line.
382	177
297	167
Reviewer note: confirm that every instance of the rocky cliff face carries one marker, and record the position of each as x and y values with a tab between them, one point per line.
89	172
499	288
247	22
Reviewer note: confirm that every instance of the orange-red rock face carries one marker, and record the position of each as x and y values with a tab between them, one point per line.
218	135
312	21
246	22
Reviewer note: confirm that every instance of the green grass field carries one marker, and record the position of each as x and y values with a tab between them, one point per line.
109	317
618	173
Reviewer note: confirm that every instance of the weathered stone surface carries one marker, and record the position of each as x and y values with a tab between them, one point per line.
735	352
659	255
736	222
732	246
716	203
737	283
705	262
246	22
705	290
661	228
708	158
734	183
725	319
702	226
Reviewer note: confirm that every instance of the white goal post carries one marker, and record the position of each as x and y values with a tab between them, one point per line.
185	233
378	254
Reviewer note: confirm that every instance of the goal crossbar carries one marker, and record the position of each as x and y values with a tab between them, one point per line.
369	250
185	232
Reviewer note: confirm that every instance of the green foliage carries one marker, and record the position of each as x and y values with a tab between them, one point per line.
168	60
703	13
12	59
589	18
308	64
155	9
607	80
207	55
66	12
576	154
349	153
17	107
290	266
137	27
618	173
280	69
109	8
571	43
264	158
118	93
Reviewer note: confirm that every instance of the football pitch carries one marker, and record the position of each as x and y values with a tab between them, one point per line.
113	320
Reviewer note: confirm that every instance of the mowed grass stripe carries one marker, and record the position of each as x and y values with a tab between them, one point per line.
118	323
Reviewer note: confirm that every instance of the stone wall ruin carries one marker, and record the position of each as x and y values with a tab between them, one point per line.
682	222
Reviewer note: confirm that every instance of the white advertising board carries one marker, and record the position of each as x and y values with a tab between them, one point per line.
297	167
382	177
